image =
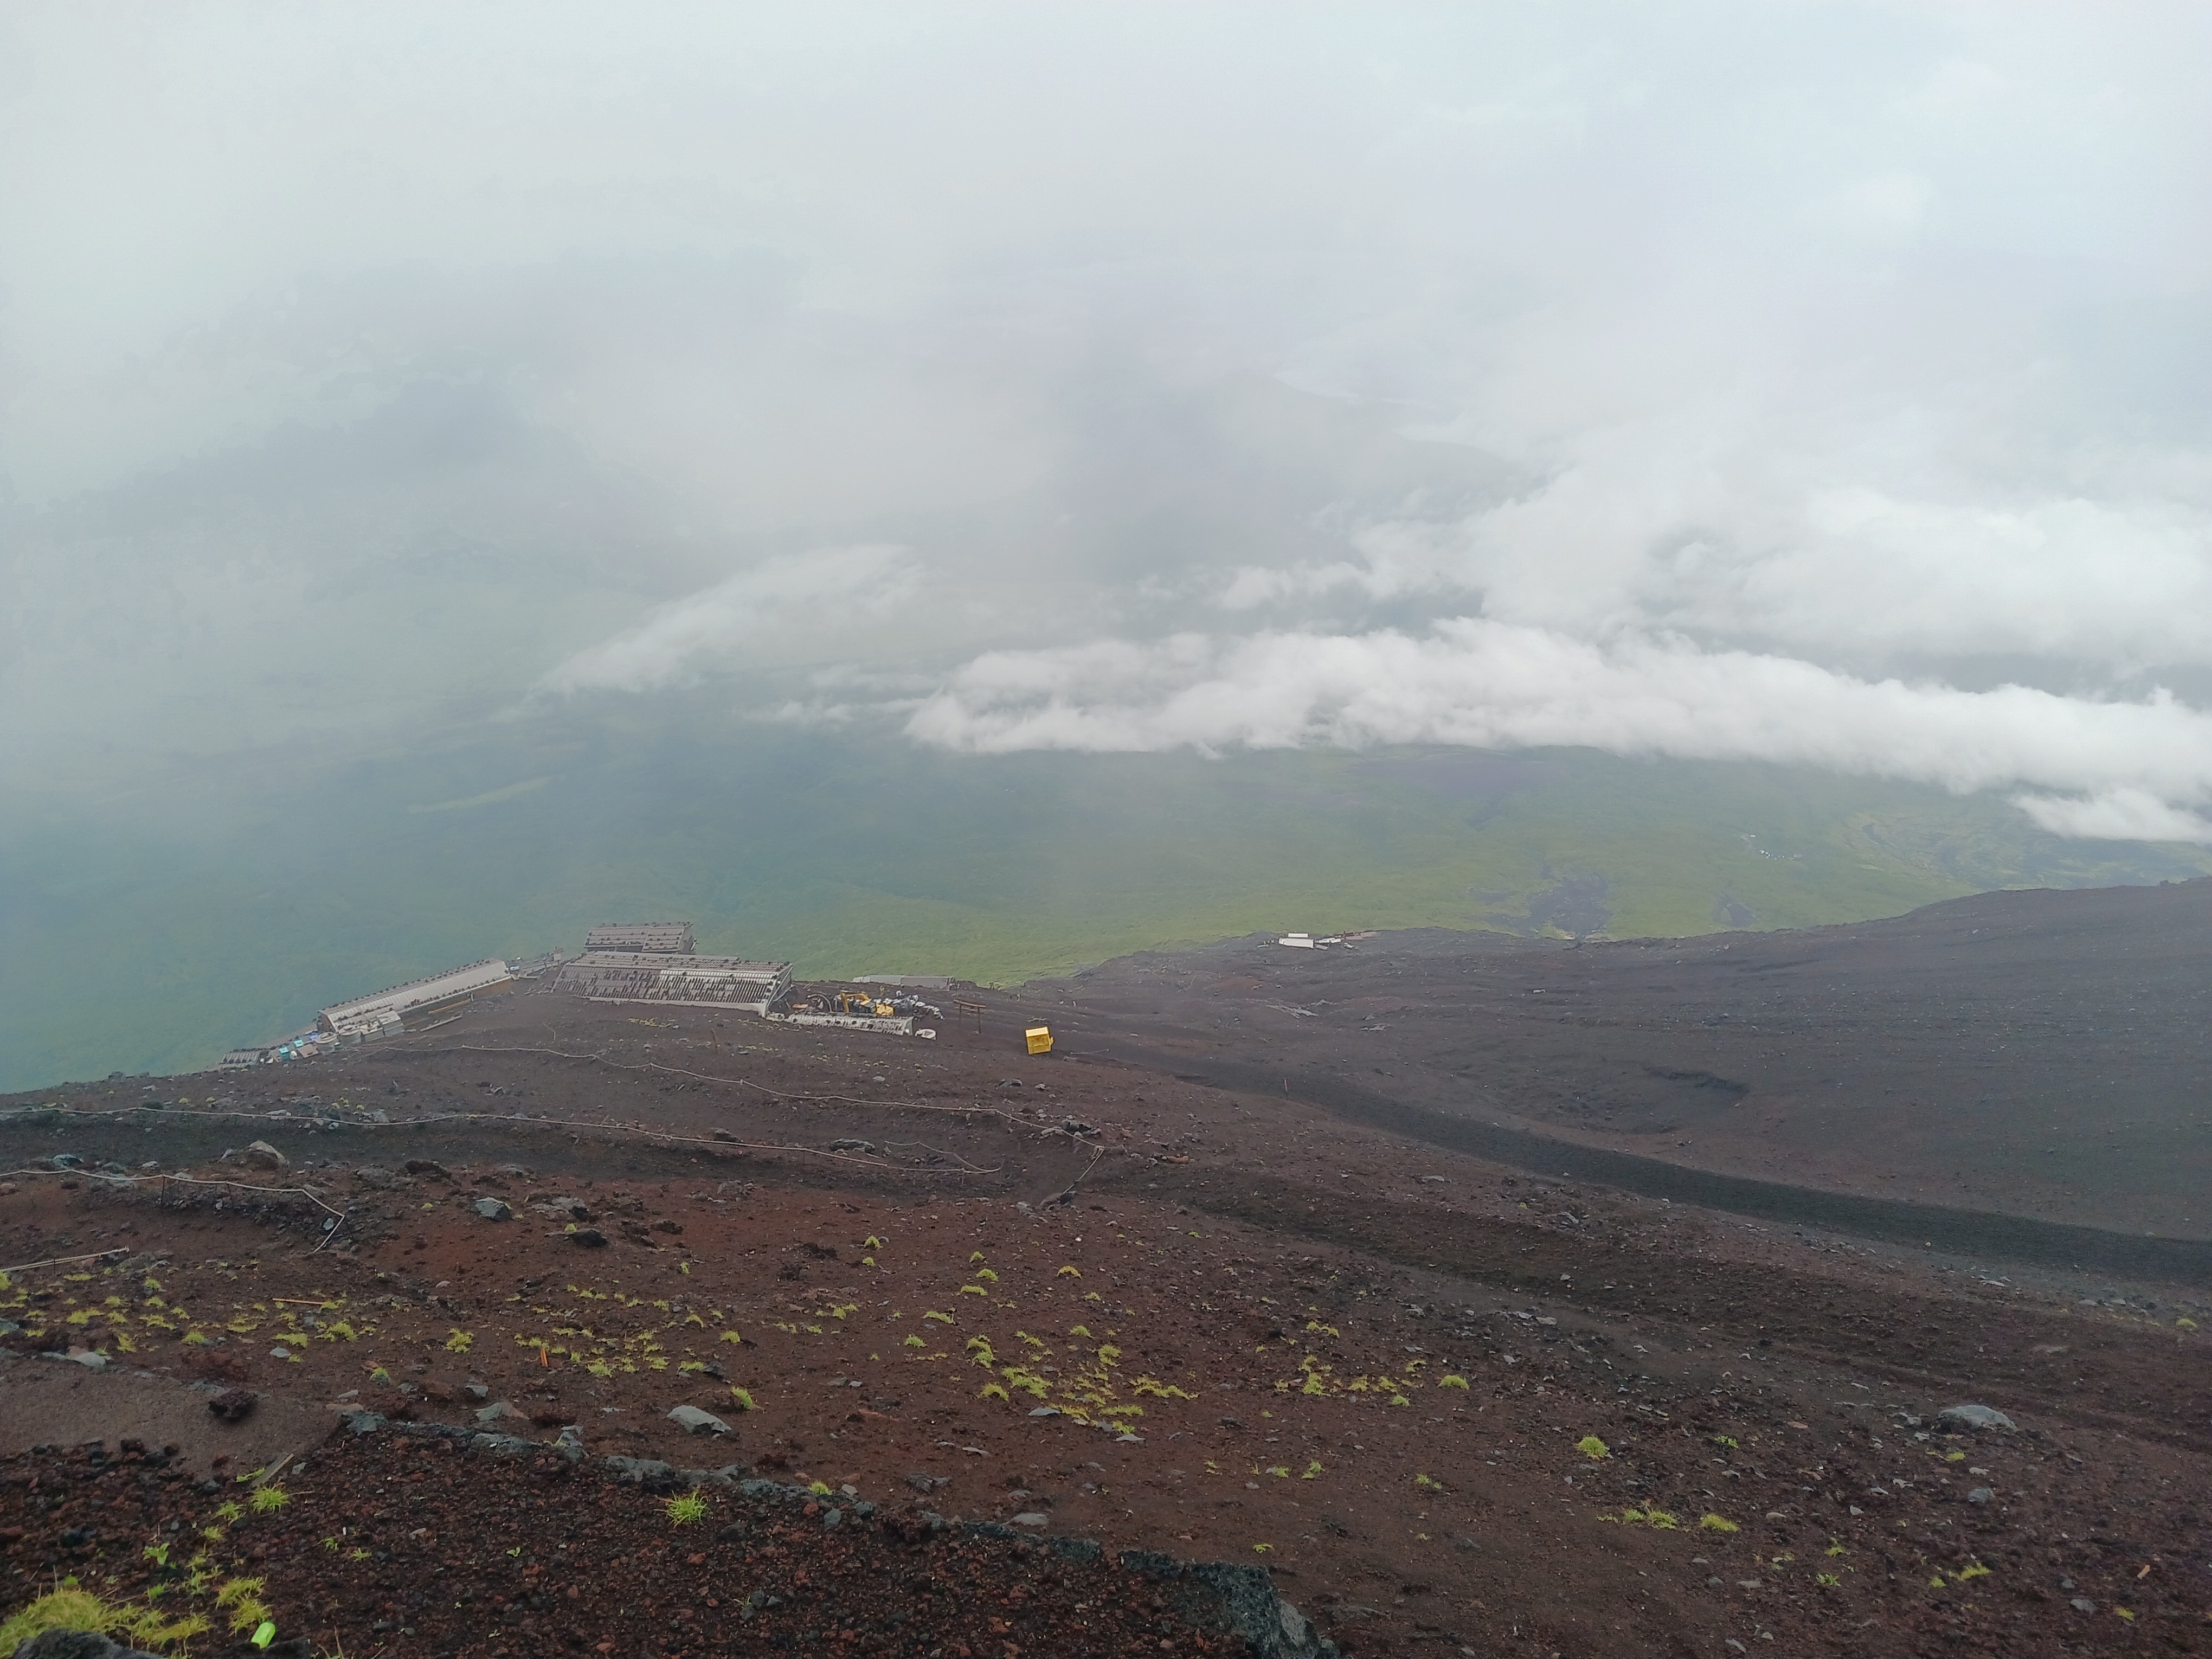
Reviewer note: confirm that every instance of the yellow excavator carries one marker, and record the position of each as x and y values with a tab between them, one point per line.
864	1005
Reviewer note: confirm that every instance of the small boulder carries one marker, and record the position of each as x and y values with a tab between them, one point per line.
232	1404
1981	1495
495	1411
590	1237
427	1166
724	1134
75	1644
260	1155
1029	1518
493	1209
1975	1417
476	1390
91	1358
692	1420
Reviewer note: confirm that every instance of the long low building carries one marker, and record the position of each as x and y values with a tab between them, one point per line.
661	938
417	997
642	977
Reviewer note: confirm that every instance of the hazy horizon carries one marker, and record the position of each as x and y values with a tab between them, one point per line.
1814	387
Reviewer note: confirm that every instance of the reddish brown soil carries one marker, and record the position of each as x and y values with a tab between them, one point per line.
1265	1281
405	1543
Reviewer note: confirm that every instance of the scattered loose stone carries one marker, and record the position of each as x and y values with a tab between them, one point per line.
590	1237
1980	1495
1029	1518
692	1420
1975	1417
493	1209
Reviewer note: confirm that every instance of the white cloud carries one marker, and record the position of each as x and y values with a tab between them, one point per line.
1498	685
2117	815
780	611
1835	341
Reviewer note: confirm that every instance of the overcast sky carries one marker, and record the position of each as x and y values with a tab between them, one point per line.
1829	384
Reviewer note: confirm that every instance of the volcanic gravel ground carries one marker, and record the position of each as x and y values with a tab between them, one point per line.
2039	1054
1231	1326
400	1543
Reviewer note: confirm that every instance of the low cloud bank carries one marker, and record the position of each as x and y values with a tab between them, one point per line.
2132	770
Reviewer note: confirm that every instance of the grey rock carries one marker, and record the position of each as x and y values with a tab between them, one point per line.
692	1420
1976	1417
833	1516
590	1237
262	1156
1980	1495
569	1443
1030	1518
477	1389
1295	1627
2083	1604
75	1644
926	1483
1046	1411
496	1410
493	1209
364	1422
637	1468
91	1360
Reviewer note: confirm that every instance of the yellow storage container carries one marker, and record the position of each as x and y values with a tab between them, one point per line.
1040	1038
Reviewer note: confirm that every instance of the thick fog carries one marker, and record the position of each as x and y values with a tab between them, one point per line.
1825	385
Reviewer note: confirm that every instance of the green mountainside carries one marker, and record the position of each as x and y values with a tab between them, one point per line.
172	925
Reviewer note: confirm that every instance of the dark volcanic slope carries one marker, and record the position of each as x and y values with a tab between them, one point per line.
2040	1054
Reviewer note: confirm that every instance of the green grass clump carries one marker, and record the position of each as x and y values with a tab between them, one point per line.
70	1606
685	1509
